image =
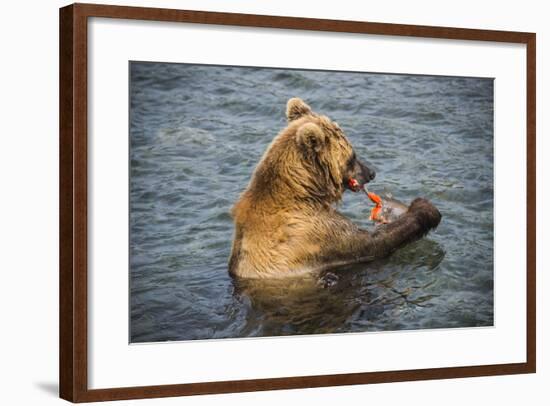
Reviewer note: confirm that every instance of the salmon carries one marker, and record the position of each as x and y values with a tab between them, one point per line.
386	209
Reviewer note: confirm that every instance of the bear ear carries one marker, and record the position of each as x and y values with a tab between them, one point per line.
311	137
296	108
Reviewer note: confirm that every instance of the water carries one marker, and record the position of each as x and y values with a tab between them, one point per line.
196	133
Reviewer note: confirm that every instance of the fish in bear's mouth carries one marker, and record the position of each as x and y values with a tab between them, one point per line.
354	185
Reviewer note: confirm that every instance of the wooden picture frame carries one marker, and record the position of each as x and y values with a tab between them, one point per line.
73	201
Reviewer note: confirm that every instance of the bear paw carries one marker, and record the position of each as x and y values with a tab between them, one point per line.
426	213
328	280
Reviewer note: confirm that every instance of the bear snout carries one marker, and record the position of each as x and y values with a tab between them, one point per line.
367	174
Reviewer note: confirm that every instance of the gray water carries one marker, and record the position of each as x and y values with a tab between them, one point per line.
196	133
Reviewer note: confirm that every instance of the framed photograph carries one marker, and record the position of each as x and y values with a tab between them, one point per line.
255	202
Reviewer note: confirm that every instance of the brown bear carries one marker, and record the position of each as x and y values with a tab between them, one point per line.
285	220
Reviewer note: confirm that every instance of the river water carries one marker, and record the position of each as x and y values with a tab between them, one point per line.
196	133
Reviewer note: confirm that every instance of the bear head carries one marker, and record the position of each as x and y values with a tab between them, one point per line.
311	159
